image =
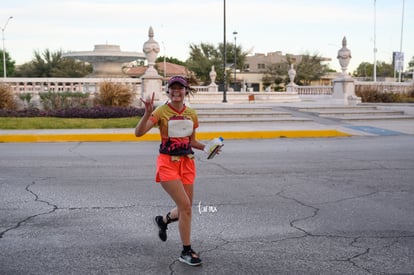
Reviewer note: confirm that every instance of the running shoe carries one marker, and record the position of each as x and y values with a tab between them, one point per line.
190	258
162	228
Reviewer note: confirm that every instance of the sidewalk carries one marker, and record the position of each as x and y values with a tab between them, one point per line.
314	128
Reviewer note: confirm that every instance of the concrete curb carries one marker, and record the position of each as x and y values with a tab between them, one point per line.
125	137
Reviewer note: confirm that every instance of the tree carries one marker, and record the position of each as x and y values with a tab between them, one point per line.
409	73
240	59
411	64
69	67
52	64
9	64
310	68
385	69
204	56
275	75
170	60
365	69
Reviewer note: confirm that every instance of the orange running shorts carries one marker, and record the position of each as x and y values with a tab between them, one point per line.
175	168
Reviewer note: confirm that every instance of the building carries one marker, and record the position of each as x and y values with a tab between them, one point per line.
258	62
256	65
165	69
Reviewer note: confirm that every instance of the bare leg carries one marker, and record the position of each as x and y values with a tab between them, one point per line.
174	212
182	196
173	215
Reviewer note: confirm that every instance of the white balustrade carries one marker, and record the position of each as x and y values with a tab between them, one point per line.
91	85
314	90
83	85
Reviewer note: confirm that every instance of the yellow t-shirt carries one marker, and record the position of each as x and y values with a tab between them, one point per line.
175	127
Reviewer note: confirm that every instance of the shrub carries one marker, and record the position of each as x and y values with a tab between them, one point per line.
26	98
7	100
371	95
98	112
62	100
409	98
111	94
78	112
29	112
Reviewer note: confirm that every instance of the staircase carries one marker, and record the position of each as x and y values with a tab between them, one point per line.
244	114
357	113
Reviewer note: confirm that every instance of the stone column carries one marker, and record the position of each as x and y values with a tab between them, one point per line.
151	81
344	85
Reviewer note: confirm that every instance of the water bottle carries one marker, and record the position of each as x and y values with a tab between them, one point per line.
213	147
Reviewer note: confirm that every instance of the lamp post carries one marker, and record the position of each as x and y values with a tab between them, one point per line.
165	68
375	43
401	40
224	54
4	50
235	58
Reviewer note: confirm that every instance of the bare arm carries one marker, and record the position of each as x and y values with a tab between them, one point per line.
195	143
200	146
145	124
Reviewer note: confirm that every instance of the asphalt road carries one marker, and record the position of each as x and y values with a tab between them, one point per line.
269	206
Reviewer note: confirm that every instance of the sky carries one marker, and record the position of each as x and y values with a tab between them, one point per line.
262	26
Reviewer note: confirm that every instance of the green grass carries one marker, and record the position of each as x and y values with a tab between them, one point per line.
25	123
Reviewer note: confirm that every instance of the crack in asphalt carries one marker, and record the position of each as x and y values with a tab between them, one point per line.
293	223
315	212
354	241
350	259
55	208
72	149
224	168
100	207
36	199
351	170
350	198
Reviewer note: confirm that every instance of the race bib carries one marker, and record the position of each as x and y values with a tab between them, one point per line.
180	127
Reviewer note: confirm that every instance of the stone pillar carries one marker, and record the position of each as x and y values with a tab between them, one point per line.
213	86
344	91
344	85
151	81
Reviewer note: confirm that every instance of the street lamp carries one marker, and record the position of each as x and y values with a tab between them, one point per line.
165	69
401	41
4	50
375	45
224	54
235	59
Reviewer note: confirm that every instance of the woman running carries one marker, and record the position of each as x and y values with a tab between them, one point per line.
175	167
